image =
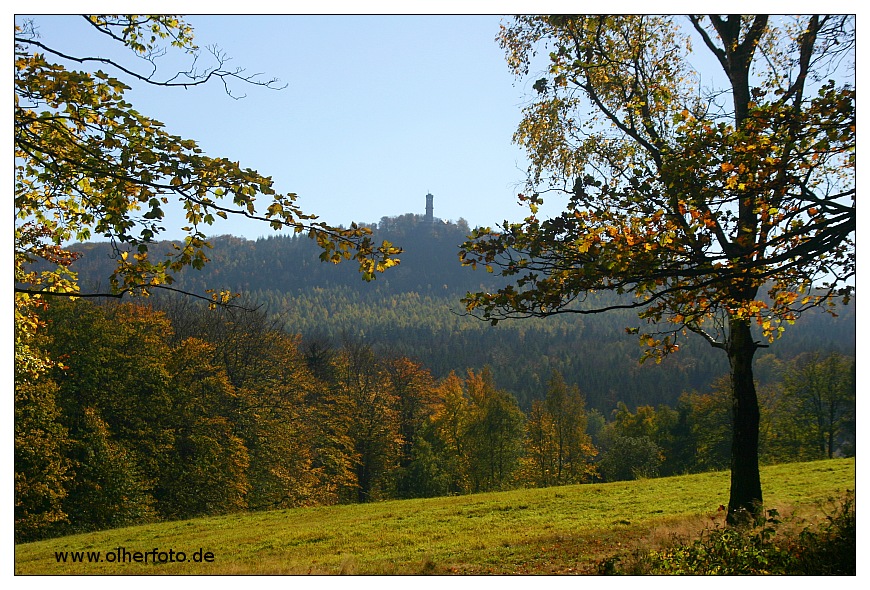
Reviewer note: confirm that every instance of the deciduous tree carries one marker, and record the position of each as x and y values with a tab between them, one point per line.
205	471
567	406
365	403
823	391
413	389
42	468
711	201
108	489
542	452
494	433
450	422
88	164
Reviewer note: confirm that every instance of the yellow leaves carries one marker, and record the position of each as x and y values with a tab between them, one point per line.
387	263
221	297
733	181
84	185
755	307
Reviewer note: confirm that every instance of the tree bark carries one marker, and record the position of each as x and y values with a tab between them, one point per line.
746	495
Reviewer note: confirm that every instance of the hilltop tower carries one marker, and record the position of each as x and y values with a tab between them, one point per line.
430	208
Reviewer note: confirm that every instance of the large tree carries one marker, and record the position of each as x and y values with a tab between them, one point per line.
88	164
710	196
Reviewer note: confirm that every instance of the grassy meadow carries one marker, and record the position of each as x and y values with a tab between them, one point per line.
537	531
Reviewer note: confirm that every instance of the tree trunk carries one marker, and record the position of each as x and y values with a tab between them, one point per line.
745	497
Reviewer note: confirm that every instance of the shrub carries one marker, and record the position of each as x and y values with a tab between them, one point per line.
629	457
832	549
826	549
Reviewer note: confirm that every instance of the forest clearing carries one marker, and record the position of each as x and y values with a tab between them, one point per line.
559	530
637	356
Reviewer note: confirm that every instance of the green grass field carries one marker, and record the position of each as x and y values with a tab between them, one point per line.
554	530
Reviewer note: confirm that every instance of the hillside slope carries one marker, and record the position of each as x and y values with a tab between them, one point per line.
414	310
553	530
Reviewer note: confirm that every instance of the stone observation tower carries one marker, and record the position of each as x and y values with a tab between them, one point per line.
430	208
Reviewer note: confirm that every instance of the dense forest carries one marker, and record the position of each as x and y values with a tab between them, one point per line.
181	412
414	310
318	388
723	211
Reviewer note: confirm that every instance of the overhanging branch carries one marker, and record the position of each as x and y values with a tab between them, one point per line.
120	294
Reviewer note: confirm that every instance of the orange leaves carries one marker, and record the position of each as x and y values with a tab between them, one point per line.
701	218
107	160
630	238
726	196
755	307
734	180
657	348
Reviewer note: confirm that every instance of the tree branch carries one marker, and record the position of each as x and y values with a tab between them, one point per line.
120	294
195	79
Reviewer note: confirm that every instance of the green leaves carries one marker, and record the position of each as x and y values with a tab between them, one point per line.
685	210
87	163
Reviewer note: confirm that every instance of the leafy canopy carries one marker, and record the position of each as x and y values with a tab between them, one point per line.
88	164
686	196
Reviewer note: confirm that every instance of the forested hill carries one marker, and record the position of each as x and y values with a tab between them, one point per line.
414	310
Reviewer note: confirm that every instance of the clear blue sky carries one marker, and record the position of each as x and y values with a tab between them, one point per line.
378	111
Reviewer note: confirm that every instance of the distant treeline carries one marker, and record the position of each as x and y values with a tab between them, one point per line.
414	310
